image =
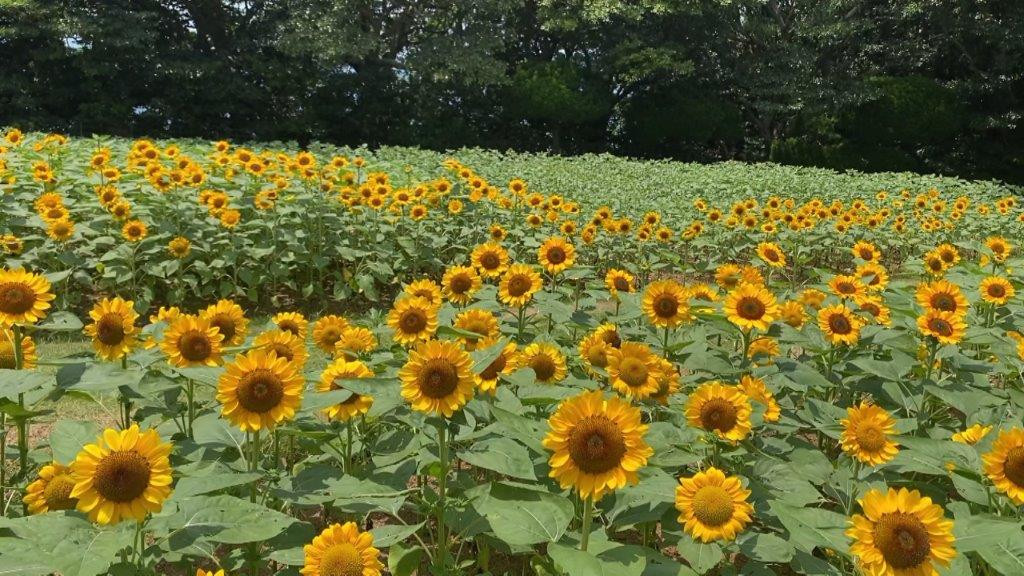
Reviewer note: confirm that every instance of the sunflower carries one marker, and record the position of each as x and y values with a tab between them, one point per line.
597	444
134	230
285	345
355	404
771	254
705	292
556	255
230	319
793	313
750	306
426	289
7	356
1004	464
900	533
327	331
942	296
972	435
490	259
354	340
505	363
999	246
201	572
113	328
713	506
179	247
293	322
481	322
866	251
633	370
460	283
728	276
946	327
948	253
124	474
874	306
763	350
996	290
668	382
867	434
24	297
874	276
497	232
412	319
51	491
518	285
546	360
758	391
259	390
839	324
438	378
812	298
596	346
724	410
342	550
61	230
617	280
192	341
666	303
846	286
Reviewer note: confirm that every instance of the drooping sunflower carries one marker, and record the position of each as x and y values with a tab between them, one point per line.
942	296
505	363
996	290
900	533
771	254
756	389
866	251
597	444
556	255
24	297
134	230
596	346
229	318
490	259
946	327
972	434
751	306
763	350
425	288
867	434
633	370
460	283
846	286
327	331
179	247
113	328
438	377
1004	464
413	319
728	276
666	303
840	325
259	390
355	340
355	404
29	358
285	345
668	382
617	280
192	341
342	550
812	298
793	313
293	322
713	506
518	285
724	410
546	360
51	490
481	322
124	474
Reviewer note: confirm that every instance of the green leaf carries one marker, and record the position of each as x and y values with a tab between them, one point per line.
67	437
16	382
767	548
525	517
61	542
61	322
389	534
1006	557
700	556
221	519
502	455
810	528
204	484
404	561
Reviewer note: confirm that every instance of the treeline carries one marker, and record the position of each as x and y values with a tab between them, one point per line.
928	86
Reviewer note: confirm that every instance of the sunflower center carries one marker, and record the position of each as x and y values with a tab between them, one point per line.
122	476
556	255
870	436
941	327
866	254
935	264
110	329
633	372
260	390
1013	468
289	326
902	539
490	260
621	284
341	559
948	257
718	414
352	399
461	283
612	338
518	285
712	505
839	324
597	356
944	302
996	291
494	368
771	255
543	366
58	493
330	336
750	308
846	288
195	346
225	324
596	445
439	379
282	351
666	306
16	298
413	321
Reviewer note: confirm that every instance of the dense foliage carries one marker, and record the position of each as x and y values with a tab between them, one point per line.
868	84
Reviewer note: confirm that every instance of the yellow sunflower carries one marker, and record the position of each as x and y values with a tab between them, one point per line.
505	363
840	325
867	434
113	328
972	435
438	377
490	259
134	230
771	254
481	322
24	297
556	255
293	322
179	247
942	296
192	341
124	474
29	358
595	347
666	303
996	290
617	280
668	382
355	404
413	319
1004	464
793	313
259	390
866	251
874	306
756	389
546	360
230	319
874	276
355	340
946	327
327	331
518	285
285	345
724	410
713	506
460	283
763	350
342	550
900	533
597	444
846	286
426	289
51	490
999	246
61	230
812	298
633	370
750	306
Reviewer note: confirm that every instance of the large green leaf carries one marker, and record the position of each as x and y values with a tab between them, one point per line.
61	542
502	455
523	517
810	528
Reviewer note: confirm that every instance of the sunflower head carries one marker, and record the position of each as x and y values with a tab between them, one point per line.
556	255
942	296
327	331
113	328
490	259
771	254
505	363
480	322
342	550
713	506
354	405
134	230
546	360
617	280
518	285
666	303
1004	464
438	378
192	341
51	490
996	290
724	410
259	390
284	344
293	322
426	289
595	347
413	320
945	327
839	324
24	297
229	319
634	371
867	434
355	340
179	247
460	283
751	306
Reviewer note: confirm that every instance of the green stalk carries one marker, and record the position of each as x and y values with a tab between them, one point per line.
588	518
22	423
190	393
442	489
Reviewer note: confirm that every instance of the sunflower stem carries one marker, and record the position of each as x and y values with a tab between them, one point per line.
348	447
22	422
254	461
588	517
190	393
442	488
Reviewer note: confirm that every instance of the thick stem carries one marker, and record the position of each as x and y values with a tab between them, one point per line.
348	447
22	423
190	393
588	518
442	489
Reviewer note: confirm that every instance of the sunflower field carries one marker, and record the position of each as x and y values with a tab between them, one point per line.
350	362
